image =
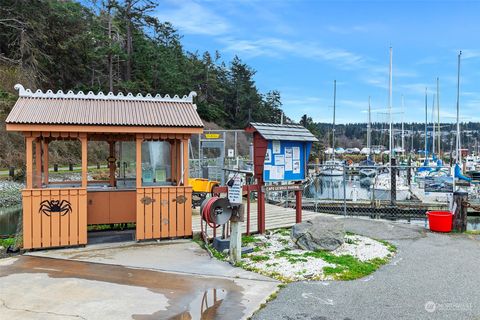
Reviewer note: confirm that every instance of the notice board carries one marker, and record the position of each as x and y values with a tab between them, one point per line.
286	160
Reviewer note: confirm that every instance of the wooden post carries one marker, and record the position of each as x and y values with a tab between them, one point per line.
111	164
185	162
84	141
138	153
29	161
298	206
38	163
235	242
179	161
460	200
45	162
261	208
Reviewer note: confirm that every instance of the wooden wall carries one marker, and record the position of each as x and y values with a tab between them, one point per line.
164	212
52	229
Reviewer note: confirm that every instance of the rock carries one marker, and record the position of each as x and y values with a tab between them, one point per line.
320	233
2	248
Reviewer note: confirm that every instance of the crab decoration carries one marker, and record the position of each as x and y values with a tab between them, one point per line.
48	207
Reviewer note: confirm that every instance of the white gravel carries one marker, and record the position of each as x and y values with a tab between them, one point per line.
287	262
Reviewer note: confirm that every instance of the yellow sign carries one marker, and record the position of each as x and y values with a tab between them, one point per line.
212	135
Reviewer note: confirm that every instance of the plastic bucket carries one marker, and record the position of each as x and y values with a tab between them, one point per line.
440	221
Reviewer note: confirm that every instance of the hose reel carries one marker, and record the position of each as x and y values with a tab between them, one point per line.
216	211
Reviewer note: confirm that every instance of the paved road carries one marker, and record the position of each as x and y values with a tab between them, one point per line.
433	276
173	280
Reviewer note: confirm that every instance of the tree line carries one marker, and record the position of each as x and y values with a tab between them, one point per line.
120	46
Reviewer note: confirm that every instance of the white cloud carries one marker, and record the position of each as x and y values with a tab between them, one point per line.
347	29
275	47
192	17
470	54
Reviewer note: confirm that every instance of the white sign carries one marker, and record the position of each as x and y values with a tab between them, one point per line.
296	153
276	146
231	153
235	191
279	159
288	163
277	172
268	156
296	166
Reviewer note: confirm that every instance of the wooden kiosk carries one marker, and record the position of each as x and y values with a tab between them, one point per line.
57	214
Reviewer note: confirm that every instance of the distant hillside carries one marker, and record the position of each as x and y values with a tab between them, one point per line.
117	46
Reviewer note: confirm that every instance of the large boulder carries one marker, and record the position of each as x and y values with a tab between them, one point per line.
320	233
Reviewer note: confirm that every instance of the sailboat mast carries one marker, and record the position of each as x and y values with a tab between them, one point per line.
369	129
390	107
458	146
333	127
403	132
439	135
426	120
433	123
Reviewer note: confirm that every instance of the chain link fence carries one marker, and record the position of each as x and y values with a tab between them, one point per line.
356	190
215	152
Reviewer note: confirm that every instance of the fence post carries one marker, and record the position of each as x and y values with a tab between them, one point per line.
460	200
409	171
55	167
393	182
344	191
11	172
298	206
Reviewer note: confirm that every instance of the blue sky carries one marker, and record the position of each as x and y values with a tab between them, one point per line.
300	47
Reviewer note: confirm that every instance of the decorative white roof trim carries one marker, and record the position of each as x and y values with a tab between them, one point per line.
22	92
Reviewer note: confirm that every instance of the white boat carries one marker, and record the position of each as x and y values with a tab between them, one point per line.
382	188
332	168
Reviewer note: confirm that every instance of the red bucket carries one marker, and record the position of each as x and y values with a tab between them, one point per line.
440	221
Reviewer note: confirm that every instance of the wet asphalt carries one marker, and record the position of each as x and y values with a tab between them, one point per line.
432	276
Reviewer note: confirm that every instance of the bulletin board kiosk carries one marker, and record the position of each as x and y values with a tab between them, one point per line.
280	154
155	196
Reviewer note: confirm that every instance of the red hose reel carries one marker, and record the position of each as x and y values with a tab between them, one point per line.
216	211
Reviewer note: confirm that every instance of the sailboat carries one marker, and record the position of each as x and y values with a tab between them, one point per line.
457	170
332	167
367	170
382	186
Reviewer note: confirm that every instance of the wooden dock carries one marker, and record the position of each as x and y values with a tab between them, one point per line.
275	217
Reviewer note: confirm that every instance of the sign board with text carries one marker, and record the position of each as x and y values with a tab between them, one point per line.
286	160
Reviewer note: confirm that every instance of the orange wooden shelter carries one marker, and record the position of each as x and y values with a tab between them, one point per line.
158	201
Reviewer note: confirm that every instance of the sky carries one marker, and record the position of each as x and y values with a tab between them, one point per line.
301	47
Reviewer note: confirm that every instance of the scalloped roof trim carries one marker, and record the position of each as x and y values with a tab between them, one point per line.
22	92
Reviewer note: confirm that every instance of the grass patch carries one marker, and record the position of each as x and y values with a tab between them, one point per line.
347	266
248	239
257	258
7	242
473	232
391	247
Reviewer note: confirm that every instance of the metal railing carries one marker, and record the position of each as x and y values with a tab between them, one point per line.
397	192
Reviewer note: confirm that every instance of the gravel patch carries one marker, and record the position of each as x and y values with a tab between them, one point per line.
276	255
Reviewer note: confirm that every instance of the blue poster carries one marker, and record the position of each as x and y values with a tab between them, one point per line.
286	161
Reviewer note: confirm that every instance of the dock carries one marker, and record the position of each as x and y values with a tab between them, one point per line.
275	217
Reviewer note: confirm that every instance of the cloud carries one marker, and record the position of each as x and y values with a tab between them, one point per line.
276	47
347	29
470	54
191	17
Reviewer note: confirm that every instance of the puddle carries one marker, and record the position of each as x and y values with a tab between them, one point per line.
189	297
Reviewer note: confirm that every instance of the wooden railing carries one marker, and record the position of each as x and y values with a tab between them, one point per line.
164	212
54	217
